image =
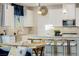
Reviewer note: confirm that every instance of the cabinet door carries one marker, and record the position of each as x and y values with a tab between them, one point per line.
69	10
9	15
77	16
28	18
55	17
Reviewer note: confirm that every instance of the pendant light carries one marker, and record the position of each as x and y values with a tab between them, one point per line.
42	10
39	11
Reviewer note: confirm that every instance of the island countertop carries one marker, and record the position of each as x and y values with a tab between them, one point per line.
53	37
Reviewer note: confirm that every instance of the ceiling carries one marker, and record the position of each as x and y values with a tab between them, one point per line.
49	5
42	4
52	5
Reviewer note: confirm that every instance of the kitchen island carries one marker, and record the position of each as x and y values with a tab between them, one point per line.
58	41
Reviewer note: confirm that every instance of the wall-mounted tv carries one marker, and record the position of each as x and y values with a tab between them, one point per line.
69	23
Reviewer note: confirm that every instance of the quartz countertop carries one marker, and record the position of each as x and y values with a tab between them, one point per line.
54	37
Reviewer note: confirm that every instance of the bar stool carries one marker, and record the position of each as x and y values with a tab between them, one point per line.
68	45
56	45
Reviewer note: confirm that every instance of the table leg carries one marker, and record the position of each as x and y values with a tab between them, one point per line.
55	47
68	48
55	50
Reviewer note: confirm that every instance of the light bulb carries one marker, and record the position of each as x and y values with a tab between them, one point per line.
39	12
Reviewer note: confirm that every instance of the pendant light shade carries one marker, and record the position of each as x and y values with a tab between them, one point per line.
42	10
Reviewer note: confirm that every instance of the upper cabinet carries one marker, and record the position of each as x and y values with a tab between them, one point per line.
77	15
28	18
8	15
69	11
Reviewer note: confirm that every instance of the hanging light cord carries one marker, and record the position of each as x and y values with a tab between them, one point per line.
39	4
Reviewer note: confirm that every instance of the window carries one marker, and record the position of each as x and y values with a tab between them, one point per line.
18	10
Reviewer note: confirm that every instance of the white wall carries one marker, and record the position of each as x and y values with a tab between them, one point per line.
28	18
53	17
0	13
9	15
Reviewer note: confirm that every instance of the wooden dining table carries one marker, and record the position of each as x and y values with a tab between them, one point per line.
35	46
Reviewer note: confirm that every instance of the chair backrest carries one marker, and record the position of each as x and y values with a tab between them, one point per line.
7	39
23	51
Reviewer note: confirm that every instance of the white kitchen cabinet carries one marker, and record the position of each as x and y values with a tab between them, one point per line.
69	11
55	17
8	15
28	18
77	16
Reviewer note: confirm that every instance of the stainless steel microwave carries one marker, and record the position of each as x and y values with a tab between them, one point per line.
69	23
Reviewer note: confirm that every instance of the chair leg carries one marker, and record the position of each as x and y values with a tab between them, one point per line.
36	52
42	51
